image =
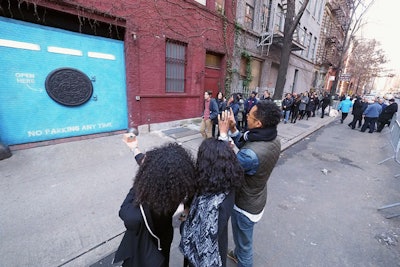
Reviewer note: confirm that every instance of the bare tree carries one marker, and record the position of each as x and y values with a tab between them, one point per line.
366	62
291	21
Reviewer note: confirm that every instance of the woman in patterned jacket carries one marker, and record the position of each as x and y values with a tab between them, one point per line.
204	239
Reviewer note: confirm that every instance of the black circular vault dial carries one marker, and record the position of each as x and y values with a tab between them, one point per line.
69	87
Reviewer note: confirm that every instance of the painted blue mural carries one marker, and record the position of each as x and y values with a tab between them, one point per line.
29	54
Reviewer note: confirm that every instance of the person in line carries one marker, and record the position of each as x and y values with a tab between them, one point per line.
259	150
287	103
345	106
210	113
266	96
165	178
317	104
204	235
241	114
310	108
371	115
386	115
326	100
295	107
221	102
234	104
248	104
357	112
382	102
303	105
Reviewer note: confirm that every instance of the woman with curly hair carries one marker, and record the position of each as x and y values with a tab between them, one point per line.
204	239
165	177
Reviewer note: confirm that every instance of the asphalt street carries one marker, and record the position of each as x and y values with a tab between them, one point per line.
60	202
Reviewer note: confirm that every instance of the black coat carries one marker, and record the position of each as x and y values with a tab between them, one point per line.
358	108
287	103
296	104
325	101
388	112
138	247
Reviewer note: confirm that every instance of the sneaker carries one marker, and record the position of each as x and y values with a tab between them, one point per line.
231	255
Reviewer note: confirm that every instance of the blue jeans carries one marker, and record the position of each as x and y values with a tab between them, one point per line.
242	229
285	115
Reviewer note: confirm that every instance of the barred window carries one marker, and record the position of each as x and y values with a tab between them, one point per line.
175	62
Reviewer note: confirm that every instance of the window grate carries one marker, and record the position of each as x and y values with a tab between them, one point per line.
175	67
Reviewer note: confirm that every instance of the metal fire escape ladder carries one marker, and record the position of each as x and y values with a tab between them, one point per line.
266	37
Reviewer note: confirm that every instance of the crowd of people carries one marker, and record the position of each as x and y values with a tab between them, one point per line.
294	106
372	114
367	113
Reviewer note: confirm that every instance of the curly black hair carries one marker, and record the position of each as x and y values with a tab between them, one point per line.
218	169
165	177
268	113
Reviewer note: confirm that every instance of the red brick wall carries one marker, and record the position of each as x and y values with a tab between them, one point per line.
153	22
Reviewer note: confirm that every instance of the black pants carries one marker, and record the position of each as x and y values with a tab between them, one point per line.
323	111
214	126
370	123
344	116
295	114
381	124
302	113
356	118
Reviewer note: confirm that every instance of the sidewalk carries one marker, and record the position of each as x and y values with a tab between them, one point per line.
187	133
60	202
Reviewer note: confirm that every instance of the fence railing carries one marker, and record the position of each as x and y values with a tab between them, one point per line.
395	143
394	139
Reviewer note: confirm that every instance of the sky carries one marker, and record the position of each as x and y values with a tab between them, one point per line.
382	21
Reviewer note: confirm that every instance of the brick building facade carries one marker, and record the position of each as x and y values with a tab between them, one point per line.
173	50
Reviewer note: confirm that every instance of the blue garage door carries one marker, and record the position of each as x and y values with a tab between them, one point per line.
56	84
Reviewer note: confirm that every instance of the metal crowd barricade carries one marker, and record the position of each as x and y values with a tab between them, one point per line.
395	142
393	122
394	139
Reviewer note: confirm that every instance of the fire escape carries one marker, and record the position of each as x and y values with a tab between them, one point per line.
273	31
335	36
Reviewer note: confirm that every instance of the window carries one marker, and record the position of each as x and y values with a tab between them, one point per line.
313	47
321	8
316	8
281	20
304	36
249	16
219	6
309	45
265	18
213	61
175	62
243	67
